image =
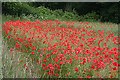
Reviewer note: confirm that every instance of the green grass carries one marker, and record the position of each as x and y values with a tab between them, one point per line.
1	48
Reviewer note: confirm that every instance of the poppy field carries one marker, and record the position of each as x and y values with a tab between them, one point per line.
60	49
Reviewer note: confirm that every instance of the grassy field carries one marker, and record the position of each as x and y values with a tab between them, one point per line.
61	49
0	48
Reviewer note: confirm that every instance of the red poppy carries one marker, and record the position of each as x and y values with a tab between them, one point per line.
33	48
115	64
76	69
32	53
17	45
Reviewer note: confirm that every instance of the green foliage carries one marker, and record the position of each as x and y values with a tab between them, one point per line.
15	8
43	13
105	12
70	16
9	17
47	14
90	17
28	12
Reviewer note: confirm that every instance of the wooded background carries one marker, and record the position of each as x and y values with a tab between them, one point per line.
98	11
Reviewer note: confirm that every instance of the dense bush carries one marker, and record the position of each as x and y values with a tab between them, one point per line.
90	17
105	12
16	8
47	14
28	12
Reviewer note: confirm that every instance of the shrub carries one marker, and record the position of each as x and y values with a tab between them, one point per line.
48	14
70	16
90	17
31	13
16	8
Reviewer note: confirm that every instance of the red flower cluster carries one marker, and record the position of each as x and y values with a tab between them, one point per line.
63	48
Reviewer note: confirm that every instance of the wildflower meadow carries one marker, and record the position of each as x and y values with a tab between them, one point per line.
60	49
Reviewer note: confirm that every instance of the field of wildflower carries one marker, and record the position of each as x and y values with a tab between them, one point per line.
60	49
